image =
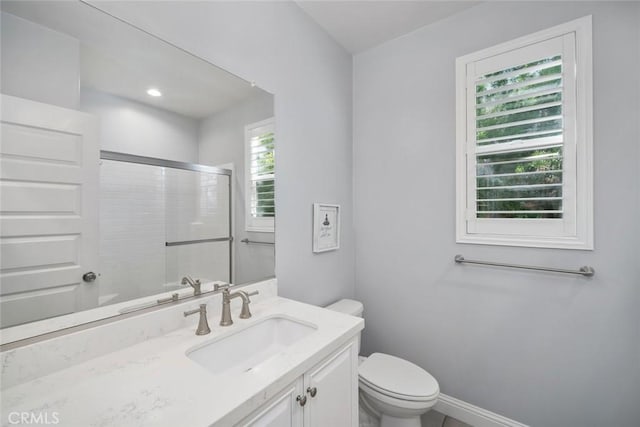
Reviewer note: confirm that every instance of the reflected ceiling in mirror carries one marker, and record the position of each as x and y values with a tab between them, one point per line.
151	100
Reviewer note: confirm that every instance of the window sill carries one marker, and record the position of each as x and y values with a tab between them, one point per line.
527	241
260	229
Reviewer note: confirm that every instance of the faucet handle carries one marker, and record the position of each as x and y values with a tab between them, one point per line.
203	325
218	287
173	297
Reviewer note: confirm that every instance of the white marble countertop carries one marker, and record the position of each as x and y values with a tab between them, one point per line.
154	383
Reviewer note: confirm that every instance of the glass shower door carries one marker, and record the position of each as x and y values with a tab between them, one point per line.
198	228
159	222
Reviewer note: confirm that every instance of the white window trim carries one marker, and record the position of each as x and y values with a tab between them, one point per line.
260	225
582	238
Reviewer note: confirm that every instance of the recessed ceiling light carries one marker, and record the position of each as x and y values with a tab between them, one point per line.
154	92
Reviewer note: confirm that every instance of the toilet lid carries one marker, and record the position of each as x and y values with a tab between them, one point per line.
395	376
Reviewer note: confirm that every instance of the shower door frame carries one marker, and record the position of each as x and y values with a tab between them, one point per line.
195	167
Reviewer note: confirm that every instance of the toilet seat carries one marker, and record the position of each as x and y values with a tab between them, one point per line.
380	403
397	378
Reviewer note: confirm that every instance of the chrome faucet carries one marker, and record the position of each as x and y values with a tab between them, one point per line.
203	324
227	296
195	284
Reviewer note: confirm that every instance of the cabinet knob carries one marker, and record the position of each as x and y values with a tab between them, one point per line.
312	391
302	400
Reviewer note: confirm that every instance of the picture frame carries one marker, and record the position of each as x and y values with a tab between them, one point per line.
326	227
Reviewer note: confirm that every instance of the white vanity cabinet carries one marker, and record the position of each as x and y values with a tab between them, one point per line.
326	395
334	382
281	411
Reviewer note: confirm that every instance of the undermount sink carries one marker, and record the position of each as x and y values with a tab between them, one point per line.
247	348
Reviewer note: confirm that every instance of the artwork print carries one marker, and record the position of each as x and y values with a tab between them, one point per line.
326	230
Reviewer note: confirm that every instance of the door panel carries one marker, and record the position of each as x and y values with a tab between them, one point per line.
19	308
38	252
48	210
29	281
20	197
48	144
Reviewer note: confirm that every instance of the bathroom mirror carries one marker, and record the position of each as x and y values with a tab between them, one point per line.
177	170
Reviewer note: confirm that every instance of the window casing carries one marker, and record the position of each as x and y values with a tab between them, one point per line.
524	141
260	176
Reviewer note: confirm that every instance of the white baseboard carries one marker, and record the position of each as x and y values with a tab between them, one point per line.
472	415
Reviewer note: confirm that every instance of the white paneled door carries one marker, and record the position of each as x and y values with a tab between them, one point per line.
48	211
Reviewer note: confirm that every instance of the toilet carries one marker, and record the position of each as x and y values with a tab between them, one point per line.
392	390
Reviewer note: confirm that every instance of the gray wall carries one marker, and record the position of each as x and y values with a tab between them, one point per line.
38	63
133	127
222	141
276	45
545	349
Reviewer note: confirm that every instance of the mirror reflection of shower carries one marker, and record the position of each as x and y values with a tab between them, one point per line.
159	224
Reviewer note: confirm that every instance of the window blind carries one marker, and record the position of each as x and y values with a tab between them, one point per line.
260	176
519	141
262	172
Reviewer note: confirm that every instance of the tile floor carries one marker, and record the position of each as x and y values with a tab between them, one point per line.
436	419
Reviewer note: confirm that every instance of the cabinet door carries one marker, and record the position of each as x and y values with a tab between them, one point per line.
281	411
335	385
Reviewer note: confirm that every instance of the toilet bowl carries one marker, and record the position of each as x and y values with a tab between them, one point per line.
392	390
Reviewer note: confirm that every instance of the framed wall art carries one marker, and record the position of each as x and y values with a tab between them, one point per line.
326	227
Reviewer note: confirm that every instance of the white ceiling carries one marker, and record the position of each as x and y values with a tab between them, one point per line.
360	25
121	60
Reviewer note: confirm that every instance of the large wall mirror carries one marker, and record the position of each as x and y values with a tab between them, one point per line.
129	169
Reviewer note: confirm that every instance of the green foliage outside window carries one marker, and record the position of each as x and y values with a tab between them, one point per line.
511	183
265	166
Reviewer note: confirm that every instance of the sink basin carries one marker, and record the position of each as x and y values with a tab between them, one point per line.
245	349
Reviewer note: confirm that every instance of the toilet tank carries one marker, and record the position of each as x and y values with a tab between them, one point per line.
348	306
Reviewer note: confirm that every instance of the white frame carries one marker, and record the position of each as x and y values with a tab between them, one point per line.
577	233
251	223
325	243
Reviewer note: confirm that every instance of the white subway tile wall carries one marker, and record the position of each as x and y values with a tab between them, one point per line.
197	205
141	208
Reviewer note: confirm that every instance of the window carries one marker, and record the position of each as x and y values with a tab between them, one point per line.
260	176
524	141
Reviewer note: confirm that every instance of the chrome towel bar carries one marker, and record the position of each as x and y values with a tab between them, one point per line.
193	242
247	241
584	271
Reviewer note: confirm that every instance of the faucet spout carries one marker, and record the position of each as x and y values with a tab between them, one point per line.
227	296
245	313
195	284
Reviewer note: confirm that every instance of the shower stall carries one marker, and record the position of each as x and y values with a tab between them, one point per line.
161	220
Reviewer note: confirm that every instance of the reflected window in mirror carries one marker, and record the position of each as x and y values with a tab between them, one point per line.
260	176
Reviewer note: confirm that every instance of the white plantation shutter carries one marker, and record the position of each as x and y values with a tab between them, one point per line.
260	176
518	119
521	136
